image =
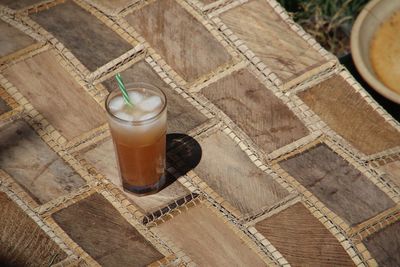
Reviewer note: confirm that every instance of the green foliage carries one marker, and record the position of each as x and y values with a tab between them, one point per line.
329	21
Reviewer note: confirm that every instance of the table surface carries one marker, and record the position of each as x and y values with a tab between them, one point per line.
276	154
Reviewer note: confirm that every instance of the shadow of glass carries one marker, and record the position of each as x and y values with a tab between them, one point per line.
183	154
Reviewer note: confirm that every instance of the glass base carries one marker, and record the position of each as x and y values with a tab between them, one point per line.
145	190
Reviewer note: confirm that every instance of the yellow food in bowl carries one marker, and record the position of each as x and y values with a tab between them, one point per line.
385	52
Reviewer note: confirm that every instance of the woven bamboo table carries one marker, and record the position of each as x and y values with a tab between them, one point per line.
299	165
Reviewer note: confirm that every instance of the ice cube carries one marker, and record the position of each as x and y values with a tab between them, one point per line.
115	104
135	97
124	116
150	103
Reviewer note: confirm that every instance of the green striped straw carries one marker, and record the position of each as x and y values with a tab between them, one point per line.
121	86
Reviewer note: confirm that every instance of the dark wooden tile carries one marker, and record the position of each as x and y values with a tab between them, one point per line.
34	165
384	245
272	40
22	241
267	121
91	41
182	116
12	39
341	187
102	157
347	113
207	240
18	4
165	25
104	234
115	4
56	95
3	106
229	172
302	239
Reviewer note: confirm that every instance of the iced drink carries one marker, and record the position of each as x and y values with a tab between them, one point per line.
138	133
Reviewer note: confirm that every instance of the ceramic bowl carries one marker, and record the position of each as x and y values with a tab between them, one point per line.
368	21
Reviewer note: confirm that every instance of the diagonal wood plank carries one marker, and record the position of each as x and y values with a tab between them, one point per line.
262	116
56	95
182	116
340	186
384	245
167	27
229	172
22	241
272	40
34	165
347	113
207	240
91	41
3	106
104	234
302	239
12	39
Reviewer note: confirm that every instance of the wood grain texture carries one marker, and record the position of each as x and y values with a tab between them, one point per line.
104	234
165	25
40	79
207	240
393	170
115	4
347	113
34	165
341	187
3	106
22	241
91	41
271	39
103	159
302	239
18	4
182	116
384	245
229	172
12	39
255	109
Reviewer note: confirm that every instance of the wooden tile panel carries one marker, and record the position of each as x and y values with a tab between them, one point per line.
12	39
206	239
267	121
91	41
95	225
302	239
384	245
340	186
3	106
56	95
22	241
272	40
166	25
229	172
34	165
347	113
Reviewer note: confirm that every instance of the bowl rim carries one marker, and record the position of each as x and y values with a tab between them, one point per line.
359	60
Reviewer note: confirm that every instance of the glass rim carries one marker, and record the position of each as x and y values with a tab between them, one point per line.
130	86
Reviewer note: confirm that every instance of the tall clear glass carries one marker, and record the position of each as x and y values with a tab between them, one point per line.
139	141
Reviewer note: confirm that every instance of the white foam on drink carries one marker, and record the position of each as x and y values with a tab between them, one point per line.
148	116
150	103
